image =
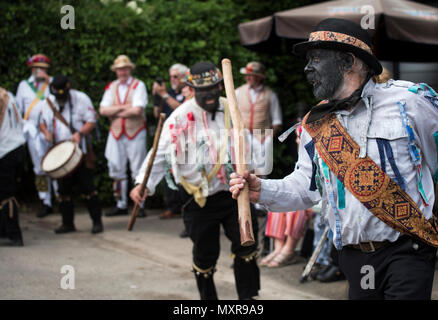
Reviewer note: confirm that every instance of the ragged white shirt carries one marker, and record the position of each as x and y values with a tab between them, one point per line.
376	116
191	154
11	135
25	96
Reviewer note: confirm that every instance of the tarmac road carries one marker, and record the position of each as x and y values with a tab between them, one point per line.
151	262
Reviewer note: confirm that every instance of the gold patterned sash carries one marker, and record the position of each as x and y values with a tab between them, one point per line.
381	195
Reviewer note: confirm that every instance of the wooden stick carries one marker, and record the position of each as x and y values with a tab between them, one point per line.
245	224
148	170
315	255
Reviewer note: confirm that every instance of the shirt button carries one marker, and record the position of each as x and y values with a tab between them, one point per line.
415	246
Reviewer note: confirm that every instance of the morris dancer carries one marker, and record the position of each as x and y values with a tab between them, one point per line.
12	153
123	103
199	162
77	111
370	151
29	93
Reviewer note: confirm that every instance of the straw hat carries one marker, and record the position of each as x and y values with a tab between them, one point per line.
254	68
122	61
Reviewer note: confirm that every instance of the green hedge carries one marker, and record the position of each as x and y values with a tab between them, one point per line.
165	32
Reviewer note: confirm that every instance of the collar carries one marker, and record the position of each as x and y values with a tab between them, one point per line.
31	79
368	88
366	92
127	82
258	89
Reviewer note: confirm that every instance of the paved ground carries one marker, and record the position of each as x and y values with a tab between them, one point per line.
151	262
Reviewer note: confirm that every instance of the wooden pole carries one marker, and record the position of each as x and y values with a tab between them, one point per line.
245	223
148	170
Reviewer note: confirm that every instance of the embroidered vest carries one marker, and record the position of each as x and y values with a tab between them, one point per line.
255	115
132	126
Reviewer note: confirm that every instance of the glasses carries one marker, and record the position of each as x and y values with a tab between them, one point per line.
174	76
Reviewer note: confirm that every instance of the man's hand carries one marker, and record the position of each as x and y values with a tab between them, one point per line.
135	195
41	74
159	89
48	136
76	138
237	183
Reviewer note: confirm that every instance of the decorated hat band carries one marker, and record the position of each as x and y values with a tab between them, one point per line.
38	60
204	79
339	37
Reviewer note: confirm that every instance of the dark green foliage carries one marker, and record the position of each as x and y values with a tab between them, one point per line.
165	32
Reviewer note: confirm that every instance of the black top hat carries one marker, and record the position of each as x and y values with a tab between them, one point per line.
342	35
59	85
203	75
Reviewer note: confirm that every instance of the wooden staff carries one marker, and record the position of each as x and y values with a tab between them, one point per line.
148	170
245	224
314	256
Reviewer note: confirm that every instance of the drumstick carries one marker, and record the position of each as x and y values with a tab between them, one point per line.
148	170
245	224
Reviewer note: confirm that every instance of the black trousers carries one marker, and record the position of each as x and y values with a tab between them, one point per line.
82	177
173	199
203	227
401	270
10	167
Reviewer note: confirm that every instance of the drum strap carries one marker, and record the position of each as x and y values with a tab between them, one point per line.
58	114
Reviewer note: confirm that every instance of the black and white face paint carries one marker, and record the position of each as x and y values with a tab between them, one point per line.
208	98
324	72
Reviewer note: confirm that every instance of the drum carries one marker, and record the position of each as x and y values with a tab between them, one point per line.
62	159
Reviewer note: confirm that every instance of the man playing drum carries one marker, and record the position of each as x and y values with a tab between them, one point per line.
76	110
29	93
123	103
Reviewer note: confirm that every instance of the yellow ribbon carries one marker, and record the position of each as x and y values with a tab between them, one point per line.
40	93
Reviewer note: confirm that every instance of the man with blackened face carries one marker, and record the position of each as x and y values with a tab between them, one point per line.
201	126
368	151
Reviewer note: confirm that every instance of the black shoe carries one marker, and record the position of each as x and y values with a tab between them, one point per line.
331	275
116	212
44	211
65	229
97	228
317	268
184	234
141	213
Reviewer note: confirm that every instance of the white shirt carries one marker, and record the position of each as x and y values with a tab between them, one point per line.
189	163
25	95
139	98
379	118
274	109
11	135
82	111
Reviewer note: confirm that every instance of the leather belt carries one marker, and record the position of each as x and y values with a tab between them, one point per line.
369	246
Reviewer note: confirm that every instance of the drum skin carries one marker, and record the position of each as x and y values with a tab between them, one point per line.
62	159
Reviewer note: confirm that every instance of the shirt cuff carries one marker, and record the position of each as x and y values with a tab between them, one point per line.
267	192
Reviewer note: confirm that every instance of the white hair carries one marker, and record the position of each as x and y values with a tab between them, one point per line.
182	69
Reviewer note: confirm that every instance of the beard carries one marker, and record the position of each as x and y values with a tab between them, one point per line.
208	99
325	84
